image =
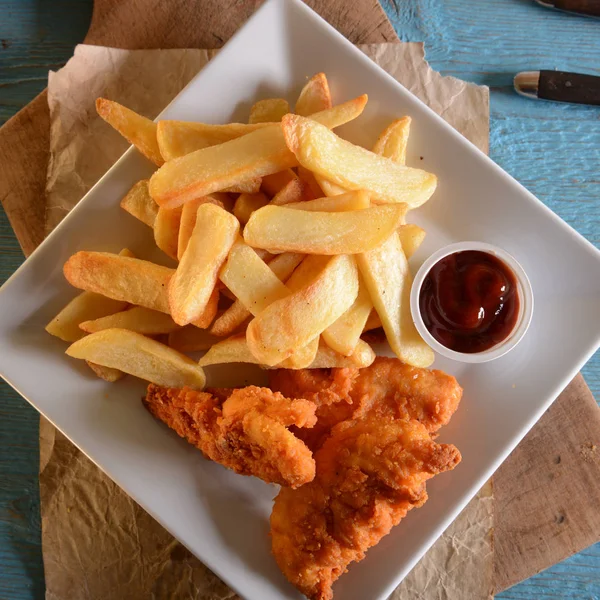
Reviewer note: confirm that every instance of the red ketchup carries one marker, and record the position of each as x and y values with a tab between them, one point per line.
469	301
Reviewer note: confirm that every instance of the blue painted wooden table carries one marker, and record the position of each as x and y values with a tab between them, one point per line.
553	149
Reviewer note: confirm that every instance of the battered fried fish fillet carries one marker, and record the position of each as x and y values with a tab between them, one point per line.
387	388
329	389
391	388
242	429
370	473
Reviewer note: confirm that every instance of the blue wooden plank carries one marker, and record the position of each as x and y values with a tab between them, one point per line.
21	569
552	149
35	37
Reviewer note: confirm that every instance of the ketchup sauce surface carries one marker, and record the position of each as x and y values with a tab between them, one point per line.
469	301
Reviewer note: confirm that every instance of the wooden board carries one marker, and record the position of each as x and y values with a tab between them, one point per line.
539	519
547	492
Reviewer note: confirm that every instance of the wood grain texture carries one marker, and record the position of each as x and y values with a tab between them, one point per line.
24	144
550	148
175	24
530	535
21	569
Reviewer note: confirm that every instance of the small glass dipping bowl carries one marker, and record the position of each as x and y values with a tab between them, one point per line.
525	304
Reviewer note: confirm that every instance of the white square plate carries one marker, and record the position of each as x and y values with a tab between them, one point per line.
222	517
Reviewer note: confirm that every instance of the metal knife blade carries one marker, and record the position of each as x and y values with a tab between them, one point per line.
589	8
559	86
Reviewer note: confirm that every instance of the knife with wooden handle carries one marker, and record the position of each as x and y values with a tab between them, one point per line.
559	86
589	8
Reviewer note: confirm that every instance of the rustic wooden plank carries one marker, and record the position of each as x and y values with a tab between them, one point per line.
24	143
34	40
530	535
174	24
21	570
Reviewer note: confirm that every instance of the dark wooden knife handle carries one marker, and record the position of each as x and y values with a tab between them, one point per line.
569	87
584	7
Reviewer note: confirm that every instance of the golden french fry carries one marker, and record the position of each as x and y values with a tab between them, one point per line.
344	335
191	339
245	186
386	275
348	201
276	230
246	204
230	320
210	310
269	111
310	180
294	321
373	322
127	252
140	356
353	167
178	138
130	280
219	167
121	278
231	350
166	230
329	188
272	184
188	220
235	350
224	291
411	237
139	319
84	307
194	281
107	373
139	203
250	279
301	358
393	140
226	200
294	191
314	96
282	265
326	358
137	130
256	154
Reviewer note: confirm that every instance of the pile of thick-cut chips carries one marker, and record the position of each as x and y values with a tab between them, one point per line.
290	243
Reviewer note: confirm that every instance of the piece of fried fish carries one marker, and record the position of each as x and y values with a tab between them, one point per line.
370	473
243	429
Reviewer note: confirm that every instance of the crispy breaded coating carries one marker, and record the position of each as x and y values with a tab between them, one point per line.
329	389
387	388
242	429
370	473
